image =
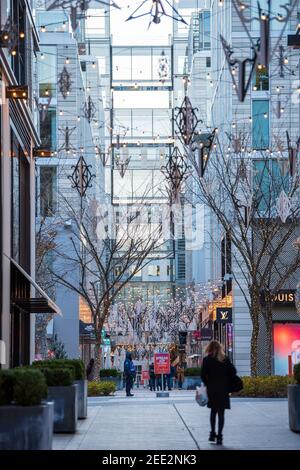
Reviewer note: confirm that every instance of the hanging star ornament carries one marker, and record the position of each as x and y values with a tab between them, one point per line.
175	171
122	164
238	68
89	109
67	145
187	121
163	68
158	9
283	206
82	4
64	82
81	177
263	47
76	8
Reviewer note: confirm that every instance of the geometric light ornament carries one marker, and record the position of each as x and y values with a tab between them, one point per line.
66	131
238	69
283	206
163	67
81	177
158	9
89	109
203	143
187	122
64	82
77	8
122	164
82	4
175	171
263	46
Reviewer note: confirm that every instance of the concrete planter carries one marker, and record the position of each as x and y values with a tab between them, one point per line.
65	407
82	398
191	382
26	427
294	407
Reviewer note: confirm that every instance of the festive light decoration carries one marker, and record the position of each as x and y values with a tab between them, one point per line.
122	164
64	82
158	9
175	171
81	177
66	131
187	121
163	67
263	46
283	206
89	109
242	82
82	4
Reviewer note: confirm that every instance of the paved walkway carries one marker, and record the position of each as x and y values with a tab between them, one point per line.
178	423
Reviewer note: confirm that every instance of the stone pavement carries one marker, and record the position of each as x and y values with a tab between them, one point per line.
178	423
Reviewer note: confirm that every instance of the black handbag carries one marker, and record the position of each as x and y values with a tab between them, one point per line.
235	384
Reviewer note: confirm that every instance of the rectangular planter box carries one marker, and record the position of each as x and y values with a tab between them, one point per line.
26	427
82	398
191	382
294	407
65	407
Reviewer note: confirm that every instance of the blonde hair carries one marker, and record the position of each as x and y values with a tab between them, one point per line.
216	350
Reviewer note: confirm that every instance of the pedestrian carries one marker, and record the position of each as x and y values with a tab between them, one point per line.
216	374
158	382
180	376
90	370
129	373
152	377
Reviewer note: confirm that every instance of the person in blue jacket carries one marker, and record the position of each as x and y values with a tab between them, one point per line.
129	373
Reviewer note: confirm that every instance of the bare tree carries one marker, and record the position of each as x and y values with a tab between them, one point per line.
255	199
45	244
108	248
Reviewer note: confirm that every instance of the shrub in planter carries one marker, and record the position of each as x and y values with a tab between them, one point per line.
294	401
29	387
63	392
58	377
26	421
56	364
7	378
273	386
78	375
96	389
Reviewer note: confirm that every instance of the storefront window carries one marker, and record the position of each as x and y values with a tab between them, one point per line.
48	181
286	347
15	198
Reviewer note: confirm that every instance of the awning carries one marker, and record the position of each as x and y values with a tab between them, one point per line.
42	304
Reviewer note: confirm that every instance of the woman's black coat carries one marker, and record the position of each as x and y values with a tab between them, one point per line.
216	376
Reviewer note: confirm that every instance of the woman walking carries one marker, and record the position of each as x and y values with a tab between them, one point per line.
216	373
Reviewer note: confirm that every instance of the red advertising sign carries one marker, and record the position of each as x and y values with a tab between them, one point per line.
145	375
162	363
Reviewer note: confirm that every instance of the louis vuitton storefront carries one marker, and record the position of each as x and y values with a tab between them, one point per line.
286	334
